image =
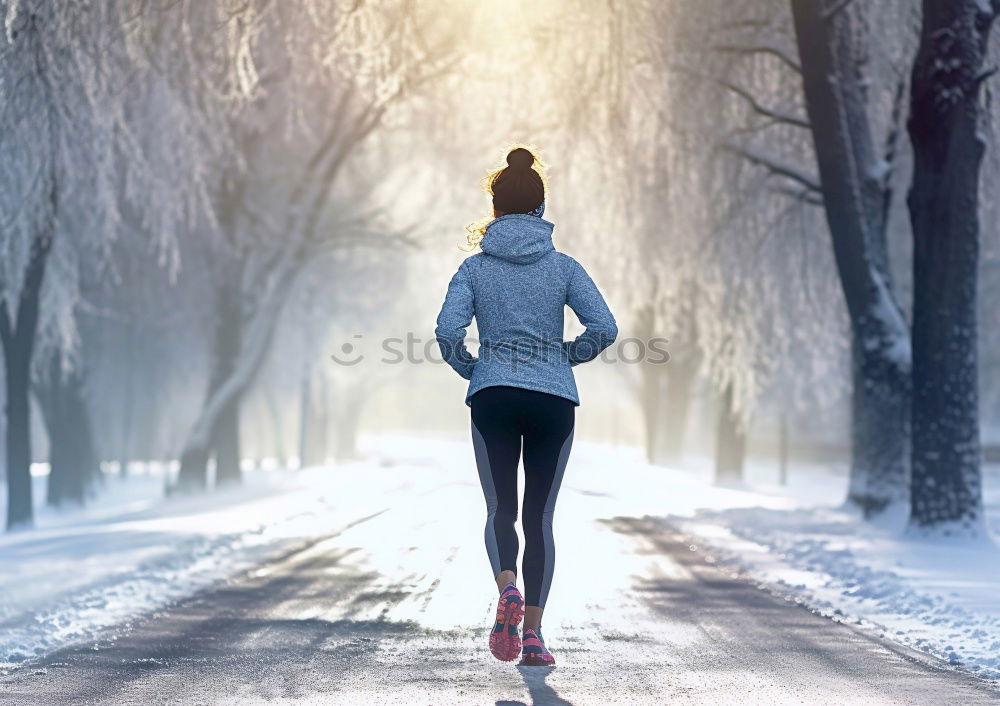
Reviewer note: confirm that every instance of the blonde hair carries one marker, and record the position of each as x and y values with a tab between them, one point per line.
477	229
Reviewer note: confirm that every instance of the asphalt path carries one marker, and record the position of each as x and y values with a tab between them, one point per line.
395	607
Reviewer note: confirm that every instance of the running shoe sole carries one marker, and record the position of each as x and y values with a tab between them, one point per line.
530	655
536	661
505	641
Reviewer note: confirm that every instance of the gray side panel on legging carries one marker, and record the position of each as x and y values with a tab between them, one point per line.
490	491
550	504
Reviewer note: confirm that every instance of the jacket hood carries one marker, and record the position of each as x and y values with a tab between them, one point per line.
518	237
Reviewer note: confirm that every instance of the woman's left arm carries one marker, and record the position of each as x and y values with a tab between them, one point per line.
601	330
455	317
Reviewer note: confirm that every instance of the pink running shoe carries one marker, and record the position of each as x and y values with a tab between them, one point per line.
505	642
534	653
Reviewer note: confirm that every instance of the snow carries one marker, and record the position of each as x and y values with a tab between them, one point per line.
133	551
935	595
931	597
894	327
80	574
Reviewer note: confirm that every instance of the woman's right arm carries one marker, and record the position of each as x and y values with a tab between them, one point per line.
455	317
585	299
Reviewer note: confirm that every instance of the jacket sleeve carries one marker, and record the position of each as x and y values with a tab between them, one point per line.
586	301
455	317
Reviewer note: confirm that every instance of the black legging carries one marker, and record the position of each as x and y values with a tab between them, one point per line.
501	416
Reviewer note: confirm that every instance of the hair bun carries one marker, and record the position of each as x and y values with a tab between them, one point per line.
520	158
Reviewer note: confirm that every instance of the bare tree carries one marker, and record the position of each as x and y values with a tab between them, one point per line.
73	461
854	182
319	104
745	213
66	143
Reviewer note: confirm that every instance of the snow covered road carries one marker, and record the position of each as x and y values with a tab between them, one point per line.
392	605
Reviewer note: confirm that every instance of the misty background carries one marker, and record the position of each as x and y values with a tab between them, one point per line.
202	203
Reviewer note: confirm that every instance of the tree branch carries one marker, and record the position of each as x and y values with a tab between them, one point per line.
985	73
747	50
6	332
891	143
775	166
804	195
831	12
776	115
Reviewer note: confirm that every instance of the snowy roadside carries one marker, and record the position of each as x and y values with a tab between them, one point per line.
937	596
133	551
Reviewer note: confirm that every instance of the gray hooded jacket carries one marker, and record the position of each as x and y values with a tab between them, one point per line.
517	288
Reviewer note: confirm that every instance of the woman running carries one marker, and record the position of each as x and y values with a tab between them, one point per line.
521	385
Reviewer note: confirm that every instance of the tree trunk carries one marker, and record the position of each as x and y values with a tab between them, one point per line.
856	196
241	346
73	464
681	376
730	442
944	212
125	450
277	429
879	473
305	415
783	449
226	433
223	441
313	416
226	444
665	391
652	386
18	337
322	421
654	400
222	438
17	358
193	474
348	423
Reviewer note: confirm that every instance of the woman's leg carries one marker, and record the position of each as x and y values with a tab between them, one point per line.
548	438
496	439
